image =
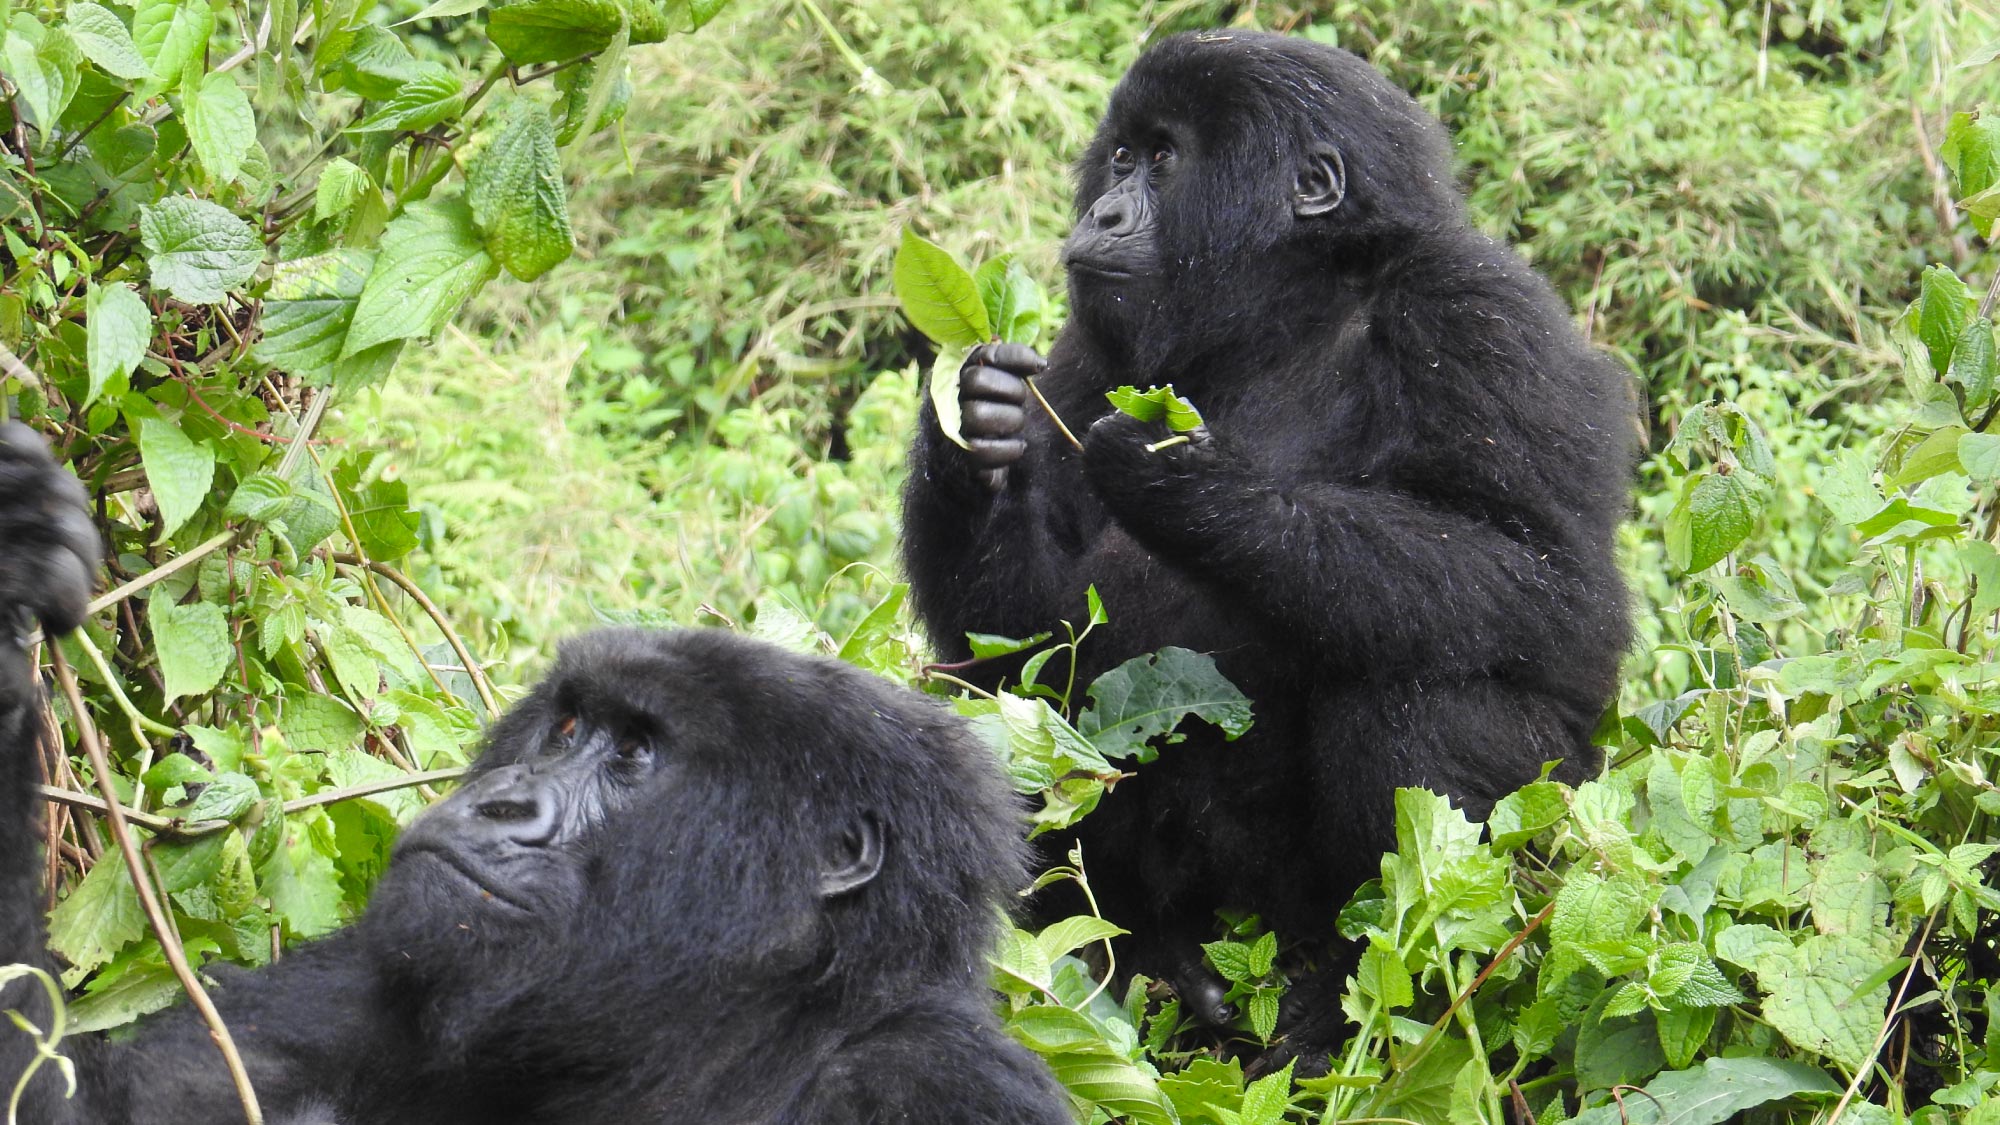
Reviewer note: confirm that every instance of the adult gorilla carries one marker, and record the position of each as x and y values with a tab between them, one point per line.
692	879
1396	535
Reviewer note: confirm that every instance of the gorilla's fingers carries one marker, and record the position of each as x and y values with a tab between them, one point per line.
1202	993
1018	358
984	419
994	383
997	453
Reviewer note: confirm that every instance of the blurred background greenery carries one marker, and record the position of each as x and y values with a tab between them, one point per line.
708	404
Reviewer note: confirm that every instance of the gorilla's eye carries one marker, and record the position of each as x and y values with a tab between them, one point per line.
567	726
633	752
1162	155
1122	159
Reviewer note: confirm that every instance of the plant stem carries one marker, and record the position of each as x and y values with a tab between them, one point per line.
1053	416
86	735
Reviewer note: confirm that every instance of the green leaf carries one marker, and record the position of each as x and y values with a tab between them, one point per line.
178	470
220	125
1265	1102
171	34
1971	150
1522	815
596	93
263	497
1231	959
1156	404
378	506
431	260
100	917
938	295
1979	456
944	382
1973	363
540	31
693	15
1944	308
117	326
308	313
1148	696
229	796
197	250
1811	1001
1075	933
104	40
301	880
1716	512
445	9
516	191
430	95
193	645
1013	301
377	64
45	65
311	721
1591	908
1714	1092
341	184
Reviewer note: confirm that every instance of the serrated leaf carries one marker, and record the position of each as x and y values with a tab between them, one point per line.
311	721
1811	1001
262	498
1971	150
178	470
379	509
431	260
117	327
171	35
376	64
1944	307
193	645
516	191
101	915
1683	974
1520	816
104	40
1716	512
220	124
45	66
1230	958
1263	1013
1973	363
341	184
1149	696
541	31
197	250
308	312
1716	1091
1156	404
430	95
938	295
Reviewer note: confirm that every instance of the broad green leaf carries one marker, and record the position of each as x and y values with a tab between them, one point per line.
692	15
104	40
300	877
430	95
197	250
118	325
938	295
45	65
1683	974
311	721
220	125
1944	307
1075	933
1265	1102
516	191
1156	404
307	314
341	184
1716	1091
377	64
171	35
945	371
178	470
1936	454
1847	895
263	497
1971	150
1148	696
1591	908
445	9
1522	815
540	31
1811	999
1973	363
229	796
1382	975
1013	301
193	644
379	508
100	917
431	260
1717	511
985	645
1979	456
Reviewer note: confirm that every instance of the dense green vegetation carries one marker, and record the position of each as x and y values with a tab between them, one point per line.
679	390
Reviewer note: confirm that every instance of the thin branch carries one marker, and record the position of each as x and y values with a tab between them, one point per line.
1053	416
189	829
1888	1023
416	594
86	734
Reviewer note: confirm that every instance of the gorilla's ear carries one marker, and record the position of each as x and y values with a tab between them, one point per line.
1322	183
856	858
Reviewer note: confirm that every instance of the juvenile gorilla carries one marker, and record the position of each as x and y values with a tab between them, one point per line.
691	879
1395	533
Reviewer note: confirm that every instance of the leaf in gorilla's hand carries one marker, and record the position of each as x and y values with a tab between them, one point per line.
940	298
944	394
1157	404
1149	696
1013	301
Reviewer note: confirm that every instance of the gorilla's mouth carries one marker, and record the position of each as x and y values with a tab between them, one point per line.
1101	273
458	865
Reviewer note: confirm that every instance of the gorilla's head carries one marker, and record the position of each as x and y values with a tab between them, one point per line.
1233	167
672	813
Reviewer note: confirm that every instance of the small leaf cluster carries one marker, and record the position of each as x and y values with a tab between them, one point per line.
959	309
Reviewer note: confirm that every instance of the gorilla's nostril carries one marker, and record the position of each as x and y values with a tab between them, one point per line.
508	810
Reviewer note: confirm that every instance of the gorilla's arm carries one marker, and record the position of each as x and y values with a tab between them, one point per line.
912	1071
1453	554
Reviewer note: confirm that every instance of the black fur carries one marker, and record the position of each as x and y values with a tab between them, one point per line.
692	879
1395	535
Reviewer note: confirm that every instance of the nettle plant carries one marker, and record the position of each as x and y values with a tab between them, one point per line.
218	219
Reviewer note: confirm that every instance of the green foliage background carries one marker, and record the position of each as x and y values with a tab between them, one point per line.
694	410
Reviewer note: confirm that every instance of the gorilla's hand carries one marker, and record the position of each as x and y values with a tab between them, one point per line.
992	402
48	548
1132	463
